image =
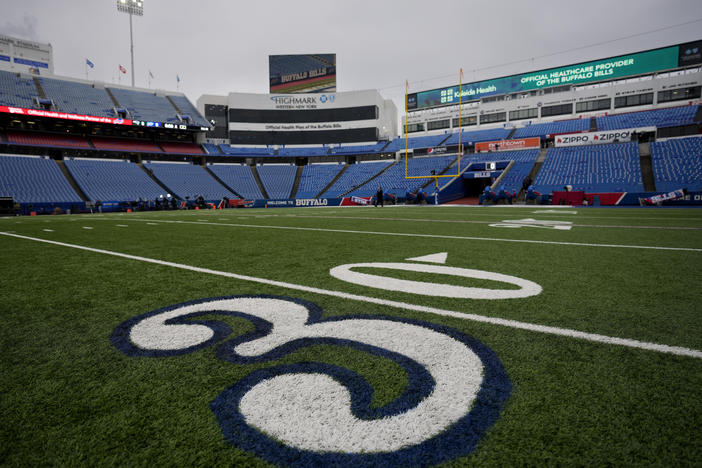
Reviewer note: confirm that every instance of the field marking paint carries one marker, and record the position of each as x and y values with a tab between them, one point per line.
87	227
433	236
433	258
48	230
531	222
152	224
594	337
554	211
121	225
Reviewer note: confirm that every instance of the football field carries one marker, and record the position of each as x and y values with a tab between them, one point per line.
395	336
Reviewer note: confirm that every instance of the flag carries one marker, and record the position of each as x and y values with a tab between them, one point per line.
151	75
406	84
122	69
89	63
461	74
178	78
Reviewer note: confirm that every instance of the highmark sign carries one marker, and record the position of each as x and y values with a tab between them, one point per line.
587	72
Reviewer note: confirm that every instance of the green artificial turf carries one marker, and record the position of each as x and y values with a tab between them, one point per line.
69	397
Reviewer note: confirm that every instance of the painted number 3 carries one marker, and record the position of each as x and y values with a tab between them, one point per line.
321	415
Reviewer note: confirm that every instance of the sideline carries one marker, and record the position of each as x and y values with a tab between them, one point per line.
406	234
593	337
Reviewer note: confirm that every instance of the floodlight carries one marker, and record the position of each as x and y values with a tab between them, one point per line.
131	7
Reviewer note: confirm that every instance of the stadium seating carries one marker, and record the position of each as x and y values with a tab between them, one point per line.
117	144
300	152
112	180
77	98
277	179
360	149
598	168
17	91
34	179
551	128
240	178
468	137
181	148
47	139
668	117
212	150
393	180
229	150
523	163
145	106
677	164
355	175
187	108
188	180
315	177
426	141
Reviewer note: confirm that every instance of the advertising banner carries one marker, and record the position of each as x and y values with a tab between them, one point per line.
63	115
508	145
586	72
598	138
312	73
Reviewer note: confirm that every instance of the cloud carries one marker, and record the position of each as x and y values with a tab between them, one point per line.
26	29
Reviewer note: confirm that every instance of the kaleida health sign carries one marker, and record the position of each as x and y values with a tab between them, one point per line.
507	145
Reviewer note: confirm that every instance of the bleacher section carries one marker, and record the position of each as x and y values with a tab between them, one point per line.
360	149
187	108
17	91
181	148
551	128
212	149
47	139
278	180
427	141
393	180
677	164
188	180
34	179
670	117
523	163
116	144
240	178
112	180
355	175
300	152
315	177
228	150
77	98
146	106
478	135
598	168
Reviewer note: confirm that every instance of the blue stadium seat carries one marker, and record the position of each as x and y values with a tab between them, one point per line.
146	106
186	107
550	128
360	149
240	178
34	179
668	117
355	175
112	180
188	180
277	179
475	136
78	98
229	150
427	141
677	163
597	168
393	180
17	91
315	177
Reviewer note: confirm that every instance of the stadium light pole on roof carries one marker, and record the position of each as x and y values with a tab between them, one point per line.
133	7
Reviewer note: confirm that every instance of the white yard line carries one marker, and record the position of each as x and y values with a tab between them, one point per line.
630	343
430	236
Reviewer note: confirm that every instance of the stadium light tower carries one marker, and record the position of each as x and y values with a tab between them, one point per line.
133	7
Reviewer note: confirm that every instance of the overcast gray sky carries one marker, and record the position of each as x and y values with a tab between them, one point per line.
219	46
